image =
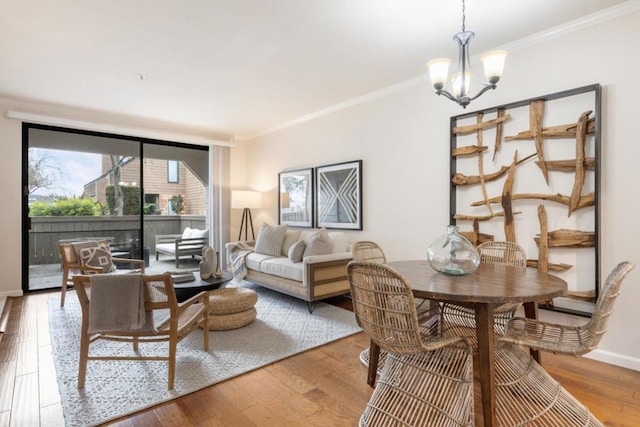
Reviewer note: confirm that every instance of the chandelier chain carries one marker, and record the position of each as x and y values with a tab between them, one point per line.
463	17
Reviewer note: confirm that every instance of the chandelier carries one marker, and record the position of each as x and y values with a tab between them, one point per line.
461	80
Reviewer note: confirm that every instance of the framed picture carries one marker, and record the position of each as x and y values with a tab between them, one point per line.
339	196
295	204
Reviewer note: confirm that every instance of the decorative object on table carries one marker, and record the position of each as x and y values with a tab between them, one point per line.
461	80
528	172
295	204
246	200
206	265
338	198
181	276
453	254
218	272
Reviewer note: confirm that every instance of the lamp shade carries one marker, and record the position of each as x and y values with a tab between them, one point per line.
246	199
494	64
439	71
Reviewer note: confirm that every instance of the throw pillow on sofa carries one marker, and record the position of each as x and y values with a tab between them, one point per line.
296	251
319	244
270	237
290	237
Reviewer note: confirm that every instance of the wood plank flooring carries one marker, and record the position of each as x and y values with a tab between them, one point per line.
325	386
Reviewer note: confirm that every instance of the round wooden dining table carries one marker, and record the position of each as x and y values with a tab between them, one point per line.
488	287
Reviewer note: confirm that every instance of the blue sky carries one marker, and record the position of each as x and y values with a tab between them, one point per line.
76	169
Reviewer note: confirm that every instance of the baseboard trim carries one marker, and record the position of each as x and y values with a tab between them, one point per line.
615	359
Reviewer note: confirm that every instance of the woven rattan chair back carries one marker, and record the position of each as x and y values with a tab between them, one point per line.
368	251
384	307
502	253
605	303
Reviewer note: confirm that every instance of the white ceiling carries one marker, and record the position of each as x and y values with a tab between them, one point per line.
244	66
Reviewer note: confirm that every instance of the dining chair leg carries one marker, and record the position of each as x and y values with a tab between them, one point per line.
374	354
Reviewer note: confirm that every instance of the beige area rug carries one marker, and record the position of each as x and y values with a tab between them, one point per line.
283	328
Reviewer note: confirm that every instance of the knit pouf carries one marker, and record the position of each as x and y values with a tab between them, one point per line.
231	308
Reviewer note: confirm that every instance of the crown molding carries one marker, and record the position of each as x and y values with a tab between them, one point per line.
116	129
584	22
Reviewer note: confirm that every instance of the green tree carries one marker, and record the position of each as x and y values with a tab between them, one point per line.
177	204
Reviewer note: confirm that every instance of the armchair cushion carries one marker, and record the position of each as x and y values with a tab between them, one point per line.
97	256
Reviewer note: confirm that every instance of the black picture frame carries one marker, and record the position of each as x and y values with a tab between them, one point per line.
295	198
338	195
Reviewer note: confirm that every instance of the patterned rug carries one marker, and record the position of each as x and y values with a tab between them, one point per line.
282	328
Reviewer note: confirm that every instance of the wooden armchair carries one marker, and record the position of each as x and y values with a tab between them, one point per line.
159	294
72	262
426	380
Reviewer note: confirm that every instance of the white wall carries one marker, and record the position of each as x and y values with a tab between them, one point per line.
402	139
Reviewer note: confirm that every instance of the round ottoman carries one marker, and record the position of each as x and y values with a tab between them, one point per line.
231	308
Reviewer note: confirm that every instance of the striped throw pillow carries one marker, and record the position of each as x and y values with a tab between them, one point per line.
270	237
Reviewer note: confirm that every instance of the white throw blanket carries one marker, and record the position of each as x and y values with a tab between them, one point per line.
116	303
238	263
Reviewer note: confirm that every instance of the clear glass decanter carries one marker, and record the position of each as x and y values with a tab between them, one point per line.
453	254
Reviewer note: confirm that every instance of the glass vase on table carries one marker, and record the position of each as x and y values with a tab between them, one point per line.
453	254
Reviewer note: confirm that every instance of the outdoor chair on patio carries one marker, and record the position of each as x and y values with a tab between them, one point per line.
136	308
90	257
460	320
426	380
576	340
428	311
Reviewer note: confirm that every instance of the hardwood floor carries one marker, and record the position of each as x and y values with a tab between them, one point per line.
324	386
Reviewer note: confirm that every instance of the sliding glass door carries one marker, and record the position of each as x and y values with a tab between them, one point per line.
85	186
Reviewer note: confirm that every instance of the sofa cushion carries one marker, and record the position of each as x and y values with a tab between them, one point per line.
290	237
319	244
282	267
254	260
270	237
296	251
339	240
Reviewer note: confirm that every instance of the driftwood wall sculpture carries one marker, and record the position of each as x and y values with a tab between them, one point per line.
527	172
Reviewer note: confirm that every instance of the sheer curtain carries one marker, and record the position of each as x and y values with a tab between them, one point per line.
219	159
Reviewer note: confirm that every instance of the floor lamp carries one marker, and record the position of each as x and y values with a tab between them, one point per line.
246	200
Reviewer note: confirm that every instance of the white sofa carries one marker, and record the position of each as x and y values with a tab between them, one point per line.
314	278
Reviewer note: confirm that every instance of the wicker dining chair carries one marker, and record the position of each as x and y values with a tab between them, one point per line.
428	311
159	297
426	380
576	340
526	395
460	320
